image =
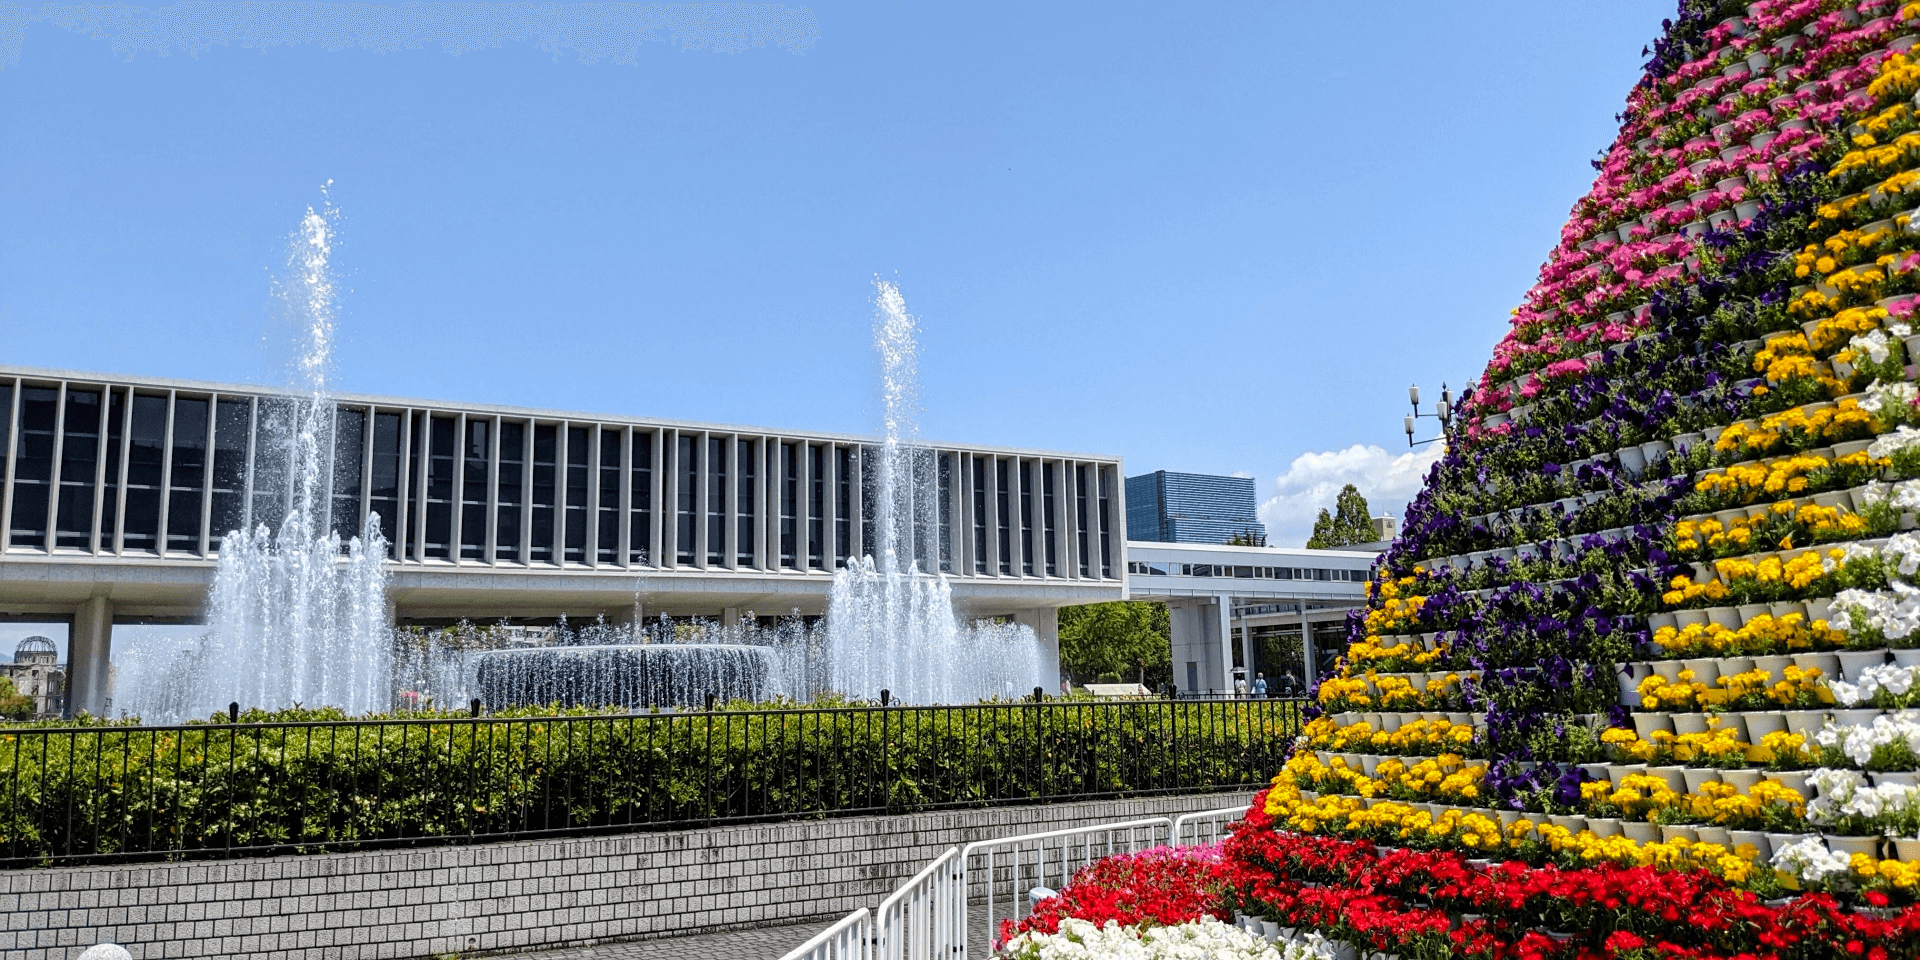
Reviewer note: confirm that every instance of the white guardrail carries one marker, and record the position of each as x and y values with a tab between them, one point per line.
928	917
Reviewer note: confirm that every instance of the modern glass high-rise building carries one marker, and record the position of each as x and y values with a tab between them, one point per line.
1192	508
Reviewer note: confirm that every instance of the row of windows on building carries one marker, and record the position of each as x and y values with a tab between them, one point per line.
119	469
1144	568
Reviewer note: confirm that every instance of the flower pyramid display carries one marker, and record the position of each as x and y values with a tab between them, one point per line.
1657	602
1641	675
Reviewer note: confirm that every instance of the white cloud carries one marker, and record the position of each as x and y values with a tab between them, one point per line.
1313	481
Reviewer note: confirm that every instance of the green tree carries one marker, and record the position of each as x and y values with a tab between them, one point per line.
1116	642
1350	522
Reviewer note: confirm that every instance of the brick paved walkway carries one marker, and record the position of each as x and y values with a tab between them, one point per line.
763	943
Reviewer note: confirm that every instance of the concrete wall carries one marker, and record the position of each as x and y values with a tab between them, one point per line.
506	897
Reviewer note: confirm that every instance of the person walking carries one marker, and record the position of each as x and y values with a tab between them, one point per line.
1260	685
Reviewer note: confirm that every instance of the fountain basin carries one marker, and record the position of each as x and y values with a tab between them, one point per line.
623	675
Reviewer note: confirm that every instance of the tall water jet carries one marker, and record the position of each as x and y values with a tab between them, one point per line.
290	620
890	623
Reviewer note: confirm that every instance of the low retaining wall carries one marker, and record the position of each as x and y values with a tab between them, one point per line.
504	897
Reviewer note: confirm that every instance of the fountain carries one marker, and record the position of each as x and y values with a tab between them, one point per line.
293	621
891	623
623	675
289	621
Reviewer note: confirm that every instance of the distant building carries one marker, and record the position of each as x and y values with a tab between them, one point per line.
1173	507
36	673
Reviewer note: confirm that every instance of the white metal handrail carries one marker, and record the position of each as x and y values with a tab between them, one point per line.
849	939
1139	834
1178	837
926	919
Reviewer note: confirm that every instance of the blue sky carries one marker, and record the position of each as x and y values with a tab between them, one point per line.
1216	239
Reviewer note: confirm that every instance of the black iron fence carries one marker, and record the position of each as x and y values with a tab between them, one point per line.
101	793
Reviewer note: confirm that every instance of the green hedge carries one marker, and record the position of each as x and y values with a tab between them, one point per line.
311	780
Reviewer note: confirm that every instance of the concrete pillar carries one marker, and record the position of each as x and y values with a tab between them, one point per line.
729	616
1306	646
89	649
1201	638
1045	623
1220	611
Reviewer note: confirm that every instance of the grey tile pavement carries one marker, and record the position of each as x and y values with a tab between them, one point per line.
760	943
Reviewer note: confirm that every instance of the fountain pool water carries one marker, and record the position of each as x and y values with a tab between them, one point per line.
625	675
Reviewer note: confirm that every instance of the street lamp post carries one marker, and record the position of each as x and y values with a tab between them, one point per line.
1443	412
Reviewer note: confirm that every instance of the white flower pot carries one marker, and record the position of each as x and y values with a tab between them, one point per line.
1640	831
1795	780
1806	723
1685	723
1569	824
1762	850
1616	772
1698	777
1646	723
1906	848
1676	832
1759	723
1676	777
1827	663
1775	665
1852	662
1709	833
1742	780
1905	778
1852	845
1705	669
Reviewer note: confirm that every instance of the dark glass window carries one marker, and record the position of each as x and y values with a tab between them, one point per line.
1080	517
6	426
477	462
1106	526
716	501
232	438
33	466
1001	502
546	464
1047	521
579	453
640	523
869	504
79	462
789	506
146	461
512	484
817	507
743	503
946	512
116	439
980	515
442	461
1026	518
188	476
606	547
686	494
349	463
386	477
843	505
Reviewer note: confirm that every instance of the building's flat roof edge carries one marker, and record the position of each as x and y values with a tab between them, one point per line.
534	413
